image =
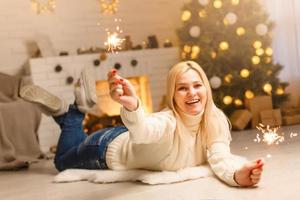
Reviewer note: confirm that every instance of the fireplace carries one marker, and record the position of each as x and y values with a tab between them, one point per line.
106	114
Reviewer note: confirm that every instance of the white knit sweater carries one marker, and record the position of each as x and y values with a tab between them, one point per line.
153	143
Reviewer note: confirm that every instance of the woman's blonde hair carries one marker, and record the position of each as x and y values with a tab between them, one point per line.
214	124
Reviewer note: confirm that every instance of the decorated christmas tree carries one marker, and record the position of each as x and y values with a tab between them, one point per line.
231	40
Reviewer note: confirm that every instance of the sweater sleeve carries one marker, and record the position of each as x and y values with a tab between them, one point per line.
147	128
223	163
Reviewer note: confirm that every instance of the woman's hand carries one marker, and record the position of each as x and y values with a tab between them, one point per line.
250	173
122	91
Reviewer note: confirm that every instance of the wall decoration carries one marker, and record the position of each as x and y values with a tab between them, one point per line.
134	63
40	8
69	80
96	62
117	66
58	68
109	6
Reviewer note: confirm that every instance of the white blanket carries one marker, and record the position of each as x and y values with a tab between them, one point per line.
149	177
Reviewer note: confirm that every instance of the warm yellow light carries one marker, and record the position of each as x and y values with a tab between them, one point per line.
187	48
257	44
225	21
268	60
186	15
218	3
244	73
213	55
269	51
227	100
202	13
269	72
255	60
267	88
113	42
109	7
195	49
259	52
44	6
195	52
228	78
240	31
238	102
224	45
249	94
235	2
279	91
183	55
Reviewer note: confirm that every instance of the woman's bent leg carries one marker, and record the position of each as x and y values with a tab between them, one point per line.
71	136
77	150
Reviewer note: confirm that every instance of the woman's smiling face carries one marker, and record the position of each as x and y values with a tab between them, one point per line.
190	93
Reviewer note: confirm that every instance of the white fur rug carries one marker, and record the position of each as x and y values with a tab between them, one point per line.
148	177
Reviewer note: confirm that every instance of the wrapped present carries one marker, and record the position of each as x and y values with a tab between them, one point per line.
271	117
240	119
290	111
290	120
256	105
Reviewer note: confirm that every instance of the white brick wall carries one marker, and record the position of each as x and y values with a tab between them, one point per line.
153	63
74	25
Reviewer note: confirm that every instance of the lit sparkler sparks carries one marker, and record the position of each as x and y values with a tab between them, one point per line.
113	42
270	135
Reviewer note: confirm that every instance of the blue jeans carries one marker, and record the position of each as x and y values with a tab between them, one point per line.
77	150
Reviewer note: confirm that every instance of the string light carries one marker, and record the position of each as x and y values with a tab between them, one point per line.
240	31
269	51
186	15
257	44
227	100
195	51
279	91
244	73
41	8
267	88
218	4
224	45
259	52
268	59
202	13
255	60
109	6
235	2
213	54
249	94
228	78
187	48
238	102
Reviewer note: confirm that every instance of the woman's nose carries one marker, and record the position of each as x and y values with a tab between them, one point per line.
192	91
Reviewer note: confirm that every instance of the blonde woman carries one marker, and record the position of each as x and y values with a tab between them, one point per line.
189	132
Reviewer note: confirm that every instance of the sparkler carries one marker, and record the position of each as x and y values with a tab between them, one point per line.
113	42
270	135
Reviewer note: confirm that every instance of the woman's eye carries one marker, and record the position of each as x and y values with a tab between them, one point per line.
182	88
198	85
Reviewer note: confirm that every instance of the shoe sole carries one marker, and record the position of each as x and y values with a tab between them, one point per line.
89	84
39	95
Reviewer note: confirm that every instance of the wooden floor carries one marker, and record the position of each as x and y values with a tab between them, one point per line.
281	179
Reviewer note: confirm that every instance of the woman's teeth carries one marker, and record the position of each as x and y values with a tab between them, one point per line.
193	101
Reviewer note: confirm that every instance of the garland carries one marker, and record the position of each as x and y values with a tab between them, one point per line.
109	6
41	8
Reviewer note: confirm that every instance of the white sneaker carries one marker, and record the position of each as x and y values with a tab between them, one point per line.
48	103
85	90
